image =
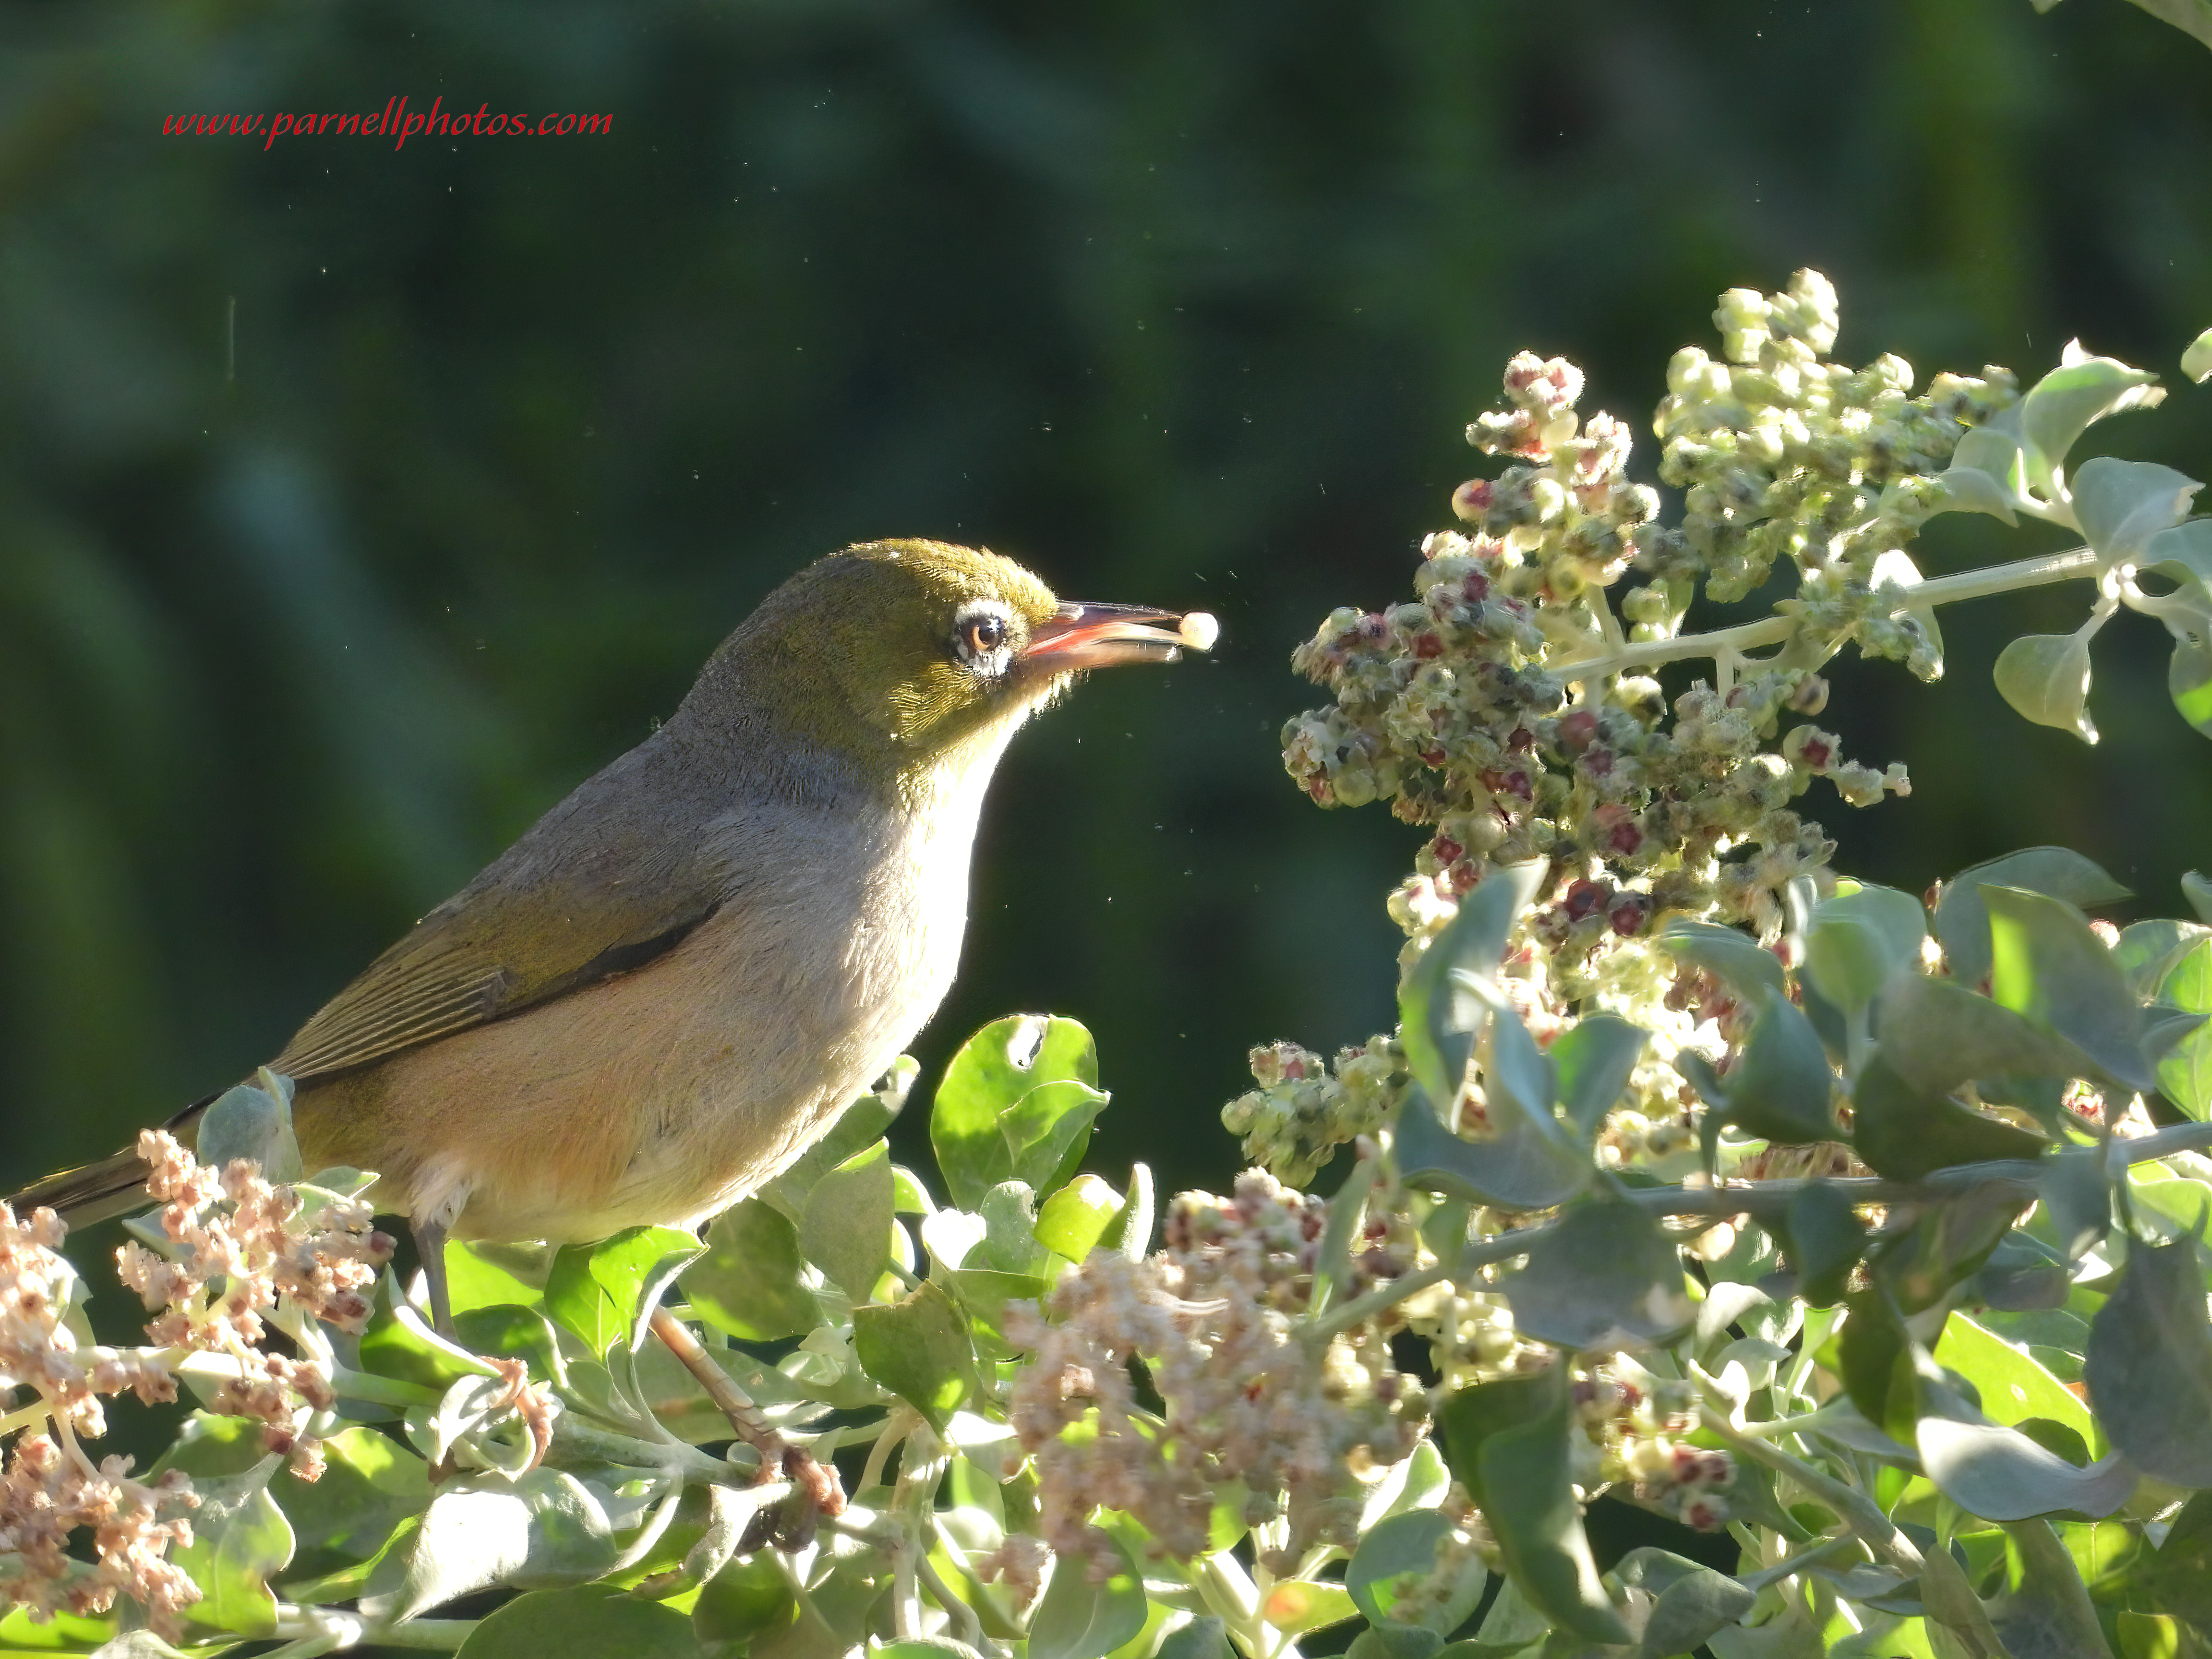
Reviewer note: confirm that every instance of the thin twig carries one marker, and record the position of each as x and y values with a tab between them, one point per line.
777	1453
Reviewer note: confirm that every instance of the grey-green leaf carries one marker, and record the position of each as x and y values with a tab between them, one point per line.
1604	1276
1737	960
1520	1168
1593	1061
1507	1441
1782	1089
2001	1475
2048	965
2149	1365
2121	505
1439	1022
1936	1034
1400	1551
1962	920
2060	407
2045	678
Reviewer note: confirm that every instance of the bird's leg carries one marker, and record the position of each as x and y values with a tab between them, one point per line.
816	1483
430	1245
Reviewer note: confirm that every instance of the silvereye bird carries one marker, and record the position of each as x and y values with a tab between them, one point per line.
670	984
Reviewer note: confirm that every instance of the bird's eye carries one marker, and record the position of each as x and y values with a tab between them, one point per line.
983	634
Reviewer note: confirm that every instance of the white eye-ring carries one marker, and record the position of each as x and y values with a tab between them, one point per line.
981	629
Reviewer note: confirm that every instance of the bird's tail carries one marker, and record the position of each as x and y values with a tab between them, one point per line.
113	1185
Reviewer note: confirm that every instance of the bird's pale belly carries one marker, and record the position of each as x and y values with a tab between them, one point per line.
636	1102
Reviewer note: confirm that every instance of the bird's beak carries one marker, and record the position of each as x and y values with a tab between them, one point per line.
1081	636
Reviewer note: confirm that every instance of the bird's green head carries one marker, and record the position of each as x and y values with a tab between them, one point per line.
918	658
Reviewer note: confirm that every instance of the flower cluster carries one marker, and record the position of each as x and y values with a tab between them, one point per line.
1782	454
239	1249
1503	707
51	1490
1633	1429
1304	1109
239	1244
1247	1403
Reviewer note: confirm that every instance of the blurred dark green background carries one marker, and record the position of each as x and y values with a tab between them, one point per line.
1184	304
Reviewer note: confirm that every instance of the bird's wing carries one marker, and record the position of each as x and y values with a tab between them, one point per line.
588	893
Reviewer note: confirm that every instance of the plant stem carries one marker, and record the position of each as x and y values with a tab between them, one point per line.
1754	1198
1855	1506
1729	643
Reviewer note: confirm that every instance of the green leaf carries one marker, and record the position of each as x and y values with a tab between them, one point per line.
1747	968
1872	1357
2001	1475
1905	1132
1856	940
747	1597
590	1619
1507	1441
2149	1365
919	1349
2150	1635
400	1344
1439	1021
2014	1387
64	1632
1594	1060
370	1484
1201	1638
1825	1238
543	1530
859	1125
1295	1605
2148	950
1131	1231
1962	921
1047	1131
1945	1245
2196	362
2188	669
241	1539
1073	1219
995	1071
2185	1071
1078	1620
2121	505
2047	965
749	1282
2061	406
1782	1089
846	1228
1951	1602
480	1275
2045	678
603	1293
1605	1277
1398	1553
